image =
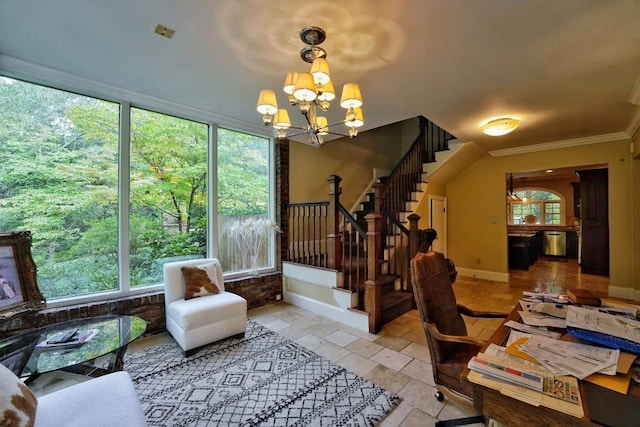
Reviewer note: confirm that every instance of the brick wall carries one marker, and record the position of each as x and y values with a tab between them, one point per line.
258	291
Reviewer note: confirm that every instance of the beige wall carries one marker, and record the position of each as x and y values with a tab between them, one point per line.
477	195
422	210
351	159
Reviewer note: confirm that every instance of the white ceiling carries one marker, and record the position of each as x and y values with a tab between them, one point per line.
567	68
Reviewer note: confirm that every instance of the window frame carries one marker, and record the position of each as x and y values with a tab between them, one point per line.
39	75
542	206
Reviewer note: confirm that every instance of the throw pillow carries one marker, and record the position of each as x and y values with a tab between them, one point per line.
17	403
198	282
214	270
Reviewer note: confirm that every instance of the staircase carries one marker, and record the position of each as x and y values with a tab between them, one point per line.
372	253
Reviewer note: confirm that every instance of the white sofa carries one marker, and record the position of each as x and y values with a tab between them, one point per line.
106	401
205	319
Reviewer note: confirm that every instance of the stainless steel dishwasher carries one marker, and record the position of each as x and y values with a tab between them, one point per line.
554	243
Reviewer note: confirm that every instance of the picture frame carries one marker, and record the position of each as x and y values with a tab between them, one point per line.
19	292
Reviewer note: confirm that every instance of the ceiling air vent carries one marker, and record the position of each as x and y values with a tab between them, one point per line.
164	31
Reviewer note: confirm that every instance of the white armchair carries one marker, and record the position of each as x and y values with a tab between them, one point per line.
203	319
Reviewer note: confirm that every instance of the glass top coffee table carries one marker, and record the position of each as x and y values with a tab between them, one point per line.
21	355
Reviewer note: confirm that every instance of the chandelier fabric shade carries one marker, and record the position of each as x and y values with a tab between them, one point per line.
323	125
354	119
328	92
312	91
281	119
305	89
320	71
351	96
267	103
290	83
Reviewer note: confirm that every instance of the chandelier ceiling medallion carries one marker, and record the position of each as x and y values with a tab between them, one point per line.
312	92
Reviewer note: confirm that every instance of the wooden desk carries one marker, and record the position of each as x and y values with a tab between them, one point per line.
612	407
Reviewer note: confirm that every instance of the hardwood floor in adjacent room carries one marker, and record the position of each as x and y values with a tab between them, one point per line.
547	274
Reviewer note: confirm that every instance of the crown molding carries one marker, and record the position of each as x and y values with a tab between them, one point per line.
634	124
576	142
24	70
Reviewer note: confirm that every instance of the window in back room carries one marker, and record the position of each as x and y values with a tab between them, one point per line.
536	206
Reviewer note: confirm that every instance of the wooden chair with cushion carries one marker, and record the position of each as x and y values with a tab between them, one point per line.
449	345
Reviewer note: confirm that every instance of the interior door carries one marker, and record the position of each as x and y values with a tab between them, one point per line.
594	216
438	221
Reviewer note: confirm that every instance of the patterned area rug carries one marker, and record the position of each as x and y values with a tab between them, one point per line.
263	379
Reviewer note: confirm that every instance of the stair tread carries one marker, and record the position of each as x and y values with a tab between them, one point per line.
397	296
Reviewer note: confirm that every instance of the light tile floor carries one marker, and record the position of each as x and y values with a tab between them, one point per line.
397	358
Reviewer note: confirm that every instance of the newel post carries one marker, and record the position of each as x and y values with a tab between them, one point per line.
372	286
414	239
378	194
334	237
414	246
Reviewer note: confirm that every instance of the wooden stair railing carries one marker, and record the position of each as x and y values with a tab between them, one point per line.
324	234
308	225
347	248
408	172
354	252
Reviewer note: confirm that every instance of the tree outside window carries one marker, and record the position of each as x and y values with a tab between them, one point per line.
62	161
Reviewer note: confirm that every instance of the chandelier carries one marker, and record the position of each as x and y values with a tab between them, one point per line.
312	92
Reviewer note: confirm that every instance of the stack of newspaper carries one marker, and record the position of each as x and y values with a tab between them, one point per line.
525	381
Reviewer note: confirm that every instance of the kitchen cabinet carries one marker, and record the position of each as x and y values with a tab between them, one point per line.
523	250
572	245
594	217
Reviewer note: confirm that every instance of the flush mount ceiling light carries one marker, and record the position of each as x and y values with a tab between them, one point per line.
312	91
501	126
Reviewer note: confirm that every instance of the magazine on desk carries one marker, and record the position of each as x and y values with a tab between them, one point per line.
534	377
528	395
560	393
61	341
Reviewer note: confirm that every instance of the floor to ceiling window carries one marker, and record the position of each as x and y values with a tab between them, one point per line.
59	179
244	226
168	193
68	178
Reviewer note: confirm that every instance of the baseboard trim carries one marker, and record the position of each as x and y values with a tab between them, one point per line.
355	319
483	274
624	293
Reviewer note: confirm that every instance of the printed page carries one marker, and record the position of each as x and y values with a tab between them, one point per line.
539	319
566	358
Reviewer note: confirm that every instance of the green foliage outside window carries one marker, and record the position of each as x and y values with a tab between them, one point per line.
59	179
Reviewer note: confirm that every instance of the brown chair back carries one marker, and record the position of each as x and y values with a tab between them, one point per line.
432	276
